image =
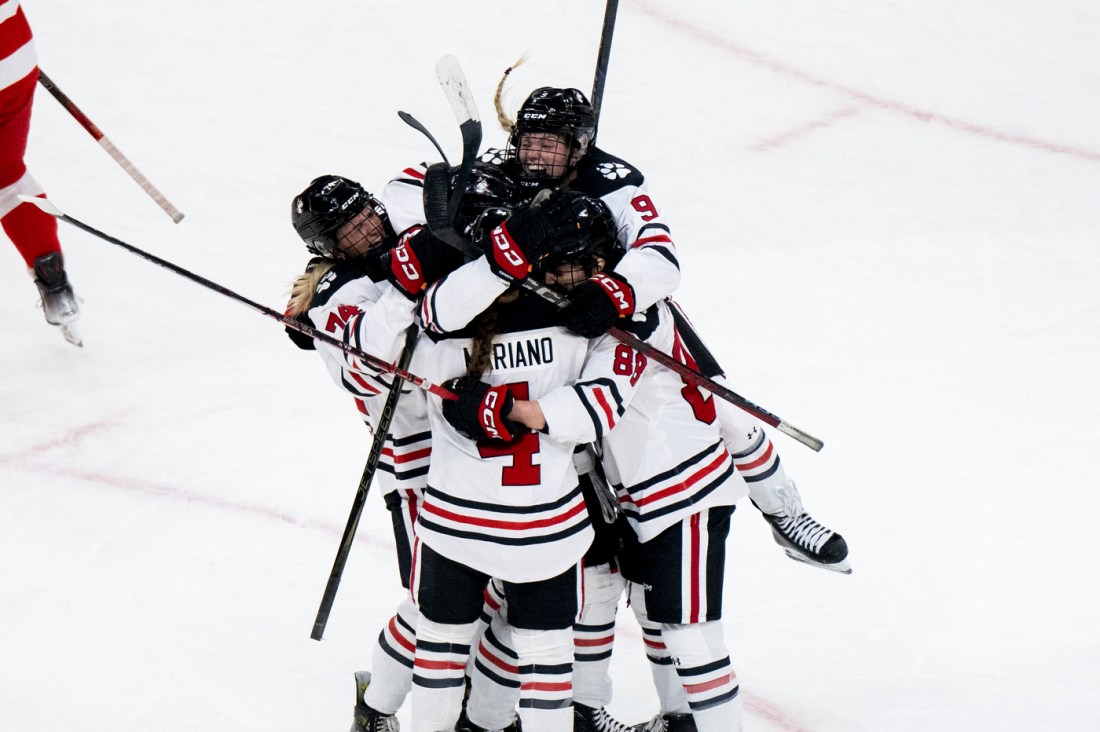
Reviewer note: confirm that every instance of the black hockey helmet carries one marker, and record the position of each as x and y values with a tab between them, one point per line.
489	186
489	219
595	237
328	203
563	111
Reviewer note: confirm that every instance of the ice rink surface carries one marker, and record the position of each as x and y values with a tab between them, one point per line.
888	217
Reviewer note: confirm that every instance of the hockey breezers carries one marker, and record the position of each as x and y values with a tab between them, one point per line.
438	214
372	361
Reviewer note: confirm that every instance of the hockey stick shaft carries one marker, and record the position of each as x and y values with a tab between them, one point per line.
109	146
380	434
371	361
604	56
691	375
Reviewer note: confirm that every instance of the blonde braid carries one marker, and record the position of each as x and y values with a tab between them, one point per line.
505	120
301	291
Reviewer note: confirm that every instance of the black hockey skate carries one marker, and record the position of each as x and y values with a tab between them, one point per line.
668	723
366	718
465	725
805	540
58	301
593	719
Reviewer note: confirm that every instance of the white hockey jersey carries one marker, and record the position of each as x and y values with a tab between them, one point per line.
403	197
373	317
666	457
515	511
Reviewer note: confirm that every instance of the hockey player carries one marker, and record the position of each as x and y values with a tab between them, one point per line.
33	231
361	289
349	232
552	143
503	501
454	301
677	484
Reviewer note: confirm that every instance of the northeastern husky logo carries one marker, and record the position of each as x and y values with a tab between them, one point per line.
613	171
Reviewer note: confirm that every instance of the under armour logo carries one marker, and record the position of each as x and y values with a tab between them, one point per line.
613	170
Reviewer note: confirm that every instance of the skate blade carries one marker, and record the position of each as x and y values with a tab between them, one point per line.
843	566
72	334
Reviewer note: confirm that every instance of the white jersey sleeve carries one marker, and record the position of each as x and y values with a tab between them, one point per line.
403	198
666	458
451	303
649	264
590	407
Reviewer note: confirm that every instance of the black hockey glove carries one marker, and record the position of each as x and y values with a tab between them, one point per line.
518	244
297	337
597	304
419	261
480	412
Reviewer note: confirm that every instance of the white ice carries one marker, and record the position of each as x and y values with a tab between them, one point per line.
888	215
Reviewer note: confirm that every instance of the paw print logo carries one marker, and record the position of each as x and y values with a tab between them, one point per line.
494	156
326	282
613	171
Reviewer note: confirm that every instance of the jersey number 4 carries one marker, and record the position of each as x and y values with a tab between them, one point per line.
522	470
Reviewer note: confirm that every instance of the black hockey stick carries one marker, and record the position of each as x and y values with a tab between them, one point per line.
372	361
441	225
603	57
416	125
457	90
380	434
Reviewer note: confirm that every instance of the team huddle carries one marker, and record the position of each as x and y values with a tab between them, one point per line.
569	469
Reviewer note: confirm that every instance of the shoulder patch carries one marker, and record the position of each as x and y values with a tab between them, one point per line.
600	173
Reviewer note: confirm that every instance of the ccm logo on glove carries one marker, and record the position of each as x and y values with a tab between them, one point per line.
507	254
490	408
622	297
406	269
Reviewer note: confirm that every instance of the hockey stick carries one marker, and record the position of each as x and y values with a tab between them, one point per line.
109	146
416	125
457	90
603	57
441	225
380	434
372	361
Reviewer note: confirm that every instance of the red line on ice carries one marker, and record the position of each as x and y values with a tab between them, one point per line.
805	130
72	436
763	709
890	105
25	461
